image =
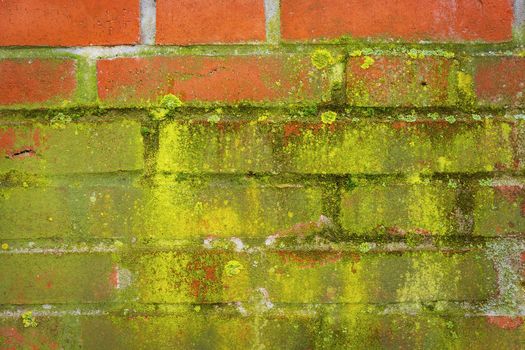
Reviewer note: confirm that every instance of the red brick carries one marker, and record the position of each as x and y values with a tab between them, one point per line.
69	23
53	278
447	20
399	81
186	22
232	79
501	81
36	81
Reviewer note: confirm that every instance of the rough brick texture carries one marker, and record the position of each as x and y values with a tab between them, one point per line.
447	20
198	78
204	21
262	174
36	81
67	23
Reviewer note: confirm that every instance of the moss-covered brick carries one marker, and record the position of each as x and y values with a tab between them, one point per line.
500	81
244	208
360	327
193	147
105	207
363	147
287	326
424	207
51	333
400	147
71	148
400	81
311	277
54	278
272	78
499	209
189	328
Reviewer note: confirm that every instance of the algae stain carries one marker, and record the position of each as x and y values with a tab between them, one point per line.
328	117
233	268
367	62
322	58
167	105
28	320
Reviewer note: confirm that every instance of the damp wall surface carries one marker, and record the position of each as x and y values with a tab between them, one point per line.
249	174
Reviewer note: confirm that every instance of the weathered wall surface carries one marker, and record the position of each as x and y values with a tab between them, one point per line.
249	174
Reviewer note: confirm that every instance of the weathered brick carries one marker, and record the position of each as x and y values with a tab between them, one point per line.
499	210
275	78
449	20
36	81
50	278
500	81
190	328
108	207
50	333
242	208
367	147
363	327
311	277
398	208
189	22
226	147
67	23
400	147
291	327
72	148
399	81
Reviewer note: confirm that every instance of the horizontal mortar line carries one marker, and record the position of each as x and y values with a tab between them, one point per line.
257	48
189	246
282	113
116	308
395	176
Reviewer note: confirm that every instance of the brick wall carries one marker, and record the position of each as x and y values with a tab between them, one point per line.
278	174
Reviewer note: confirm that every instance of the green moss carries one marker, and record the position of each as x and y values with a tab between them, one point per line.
451	119
232	268
60	120
28	320
322	58
328	117
159	113
170	102
466	88
367	63
167	104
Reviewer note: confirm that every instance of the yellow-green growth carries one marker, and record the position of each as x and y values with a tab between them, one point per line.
167	104
170	102
28	320
368	62
466	86
328	117
232	268
322	58
60	121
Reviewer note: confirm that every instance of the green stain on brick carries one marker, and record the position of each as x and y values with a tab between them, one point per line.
379	148
47	278
102	207
73	148
198	208
311	277
499	210
422	208
187	277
